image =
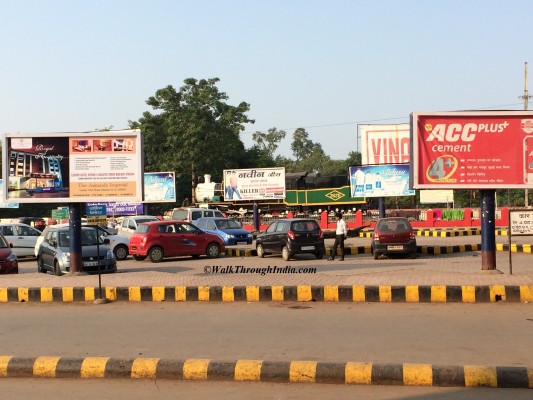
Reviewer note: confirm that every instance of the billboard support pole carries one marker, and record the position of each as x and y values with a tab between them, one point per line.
76	263
256	217
488	224
381	207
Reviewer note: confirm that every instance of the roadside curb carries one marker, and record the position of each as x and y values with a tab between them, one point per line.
301	293
431	250
268	371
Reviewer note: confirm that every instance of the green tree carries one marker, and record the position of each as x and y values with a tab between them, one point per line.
302	147
193	127
269	142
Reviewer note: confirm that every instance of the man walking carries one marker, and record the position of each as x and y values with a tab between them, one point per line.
340	234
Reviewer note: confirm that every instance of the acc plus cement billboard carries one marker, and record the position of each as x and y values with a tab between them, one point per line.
384	144
472	150
72	167
254	184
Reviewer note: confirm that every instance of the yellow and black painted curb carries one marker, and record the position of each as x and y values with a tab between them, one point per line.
267	371
302	293
431	250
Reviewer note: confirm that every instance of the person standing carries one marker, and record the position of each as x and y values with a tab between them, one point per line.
341	232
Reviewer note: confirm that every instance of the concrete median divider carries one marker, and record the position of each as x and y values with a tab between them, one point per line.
358	373
300	293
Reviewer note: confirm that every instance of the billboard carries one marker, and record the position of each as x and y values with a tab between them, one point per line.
254	184
472	150
436	196
118	209
384	144
380	181
72	167
159	186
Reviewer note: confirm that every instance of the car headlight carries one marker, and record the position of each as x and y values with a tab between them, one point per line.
12	257
110	255
230	236
64	256
249	235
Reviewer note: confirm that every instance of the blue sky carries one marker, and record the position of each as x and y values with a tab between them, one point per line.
326	66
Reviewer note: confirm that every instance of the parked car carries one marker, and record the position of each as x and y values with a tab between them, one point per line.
229	230
54	252
191	214
118	243
289	237
393	235
130	224
34	222
160	239
22	236
8	259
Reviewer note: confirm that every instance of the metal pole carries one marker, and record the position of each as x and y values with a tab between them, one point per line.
488	224
381	202
76	262
526	98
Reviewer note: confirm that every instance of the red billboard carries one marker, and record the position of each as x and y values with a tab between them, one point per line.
472	150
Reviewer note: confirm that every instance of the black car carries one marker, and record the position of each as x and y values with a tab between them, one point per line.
291	236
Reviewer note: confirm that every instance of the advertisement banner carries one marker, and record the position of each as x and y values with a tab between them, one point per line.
73	167
159	187
380	181
384	144
472	150
118	209
436	196
254	184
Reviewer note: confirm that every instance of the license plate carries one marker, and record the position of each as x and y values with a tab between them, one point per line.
395	247
308	247
91	263
242	242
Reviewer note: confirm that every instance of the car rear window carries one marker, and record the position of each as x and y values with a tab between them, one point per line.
142	228
305	226
394	225
180	215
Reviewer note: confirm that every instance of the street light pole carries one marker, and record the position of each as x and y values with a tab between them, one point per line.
526	98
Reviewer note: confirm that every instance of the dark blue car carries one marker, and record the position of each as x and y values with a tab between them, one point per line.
229	230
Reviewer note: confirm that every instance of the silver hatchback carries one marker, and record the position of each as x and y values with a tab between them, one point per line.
54	252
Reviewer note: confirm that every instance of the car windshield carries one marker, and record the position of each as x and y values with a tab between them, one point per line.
88	238
228	224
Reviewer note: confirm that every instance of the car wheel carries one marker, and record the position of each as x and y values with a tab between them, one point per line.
155	254
213	250
40	266
319	255
121	252
57	269
376	255
260	251
139	258
285	253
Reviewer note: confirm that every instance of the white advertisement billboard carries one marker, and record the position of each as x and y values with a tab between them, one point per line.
384	144
254	184
380	181
72	167
436	196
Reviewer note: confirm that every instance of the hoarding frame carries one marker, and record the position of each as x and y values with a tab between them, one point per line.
254	184
481	126
384	180
66	167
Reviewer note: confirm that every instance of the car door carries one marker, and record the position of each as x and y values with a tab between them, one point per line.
169	240
48	249
269	237
25	237
191	239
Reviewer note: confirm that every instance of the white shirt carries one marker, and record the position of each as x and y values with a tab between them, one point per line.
341	228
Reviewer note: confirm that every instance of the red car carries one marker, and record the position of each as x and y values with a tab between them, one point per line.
161	239
393	235
8	260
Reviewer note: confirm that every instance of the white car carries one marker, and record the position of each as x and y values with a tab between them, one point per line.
118	243
23	238
129	224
